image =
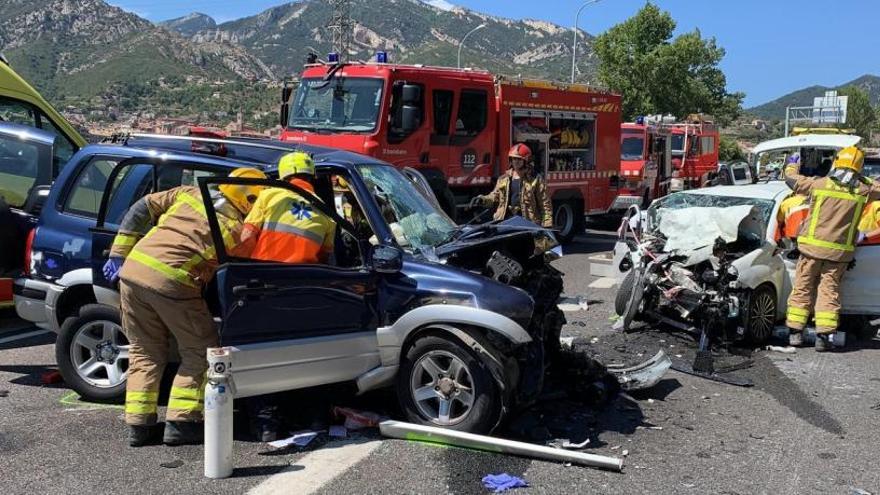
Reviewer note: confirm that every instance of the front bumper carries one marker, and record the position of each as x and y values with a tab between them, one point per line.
29	297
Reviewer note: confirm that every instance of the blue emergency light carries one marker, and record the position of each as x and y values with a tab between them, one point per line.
333	57
640	120
382	57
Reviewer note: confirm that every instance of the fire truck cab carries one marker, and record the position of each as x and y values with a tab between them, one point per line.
456	125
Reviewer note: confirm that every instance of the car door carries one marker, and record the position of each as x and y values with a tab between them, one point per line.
292	325
860	289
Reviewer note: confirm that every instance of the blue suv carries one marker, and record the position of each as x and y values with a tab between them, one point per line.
460	320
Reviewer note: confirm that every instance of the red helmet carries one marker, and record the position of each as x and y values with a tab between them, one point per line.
519	150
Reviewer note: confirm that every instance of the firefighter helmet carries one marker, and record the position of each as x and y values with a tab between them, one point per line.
521	151
296	163
850	157
241	196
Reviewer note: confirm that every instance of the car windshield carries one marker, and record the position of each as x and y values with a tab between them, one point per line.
632	147
681	200
417	224
340	104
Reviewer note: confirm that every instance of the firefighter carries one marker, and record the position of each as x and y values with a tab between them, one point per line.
283	227
827	242
520	191
164	256
869	225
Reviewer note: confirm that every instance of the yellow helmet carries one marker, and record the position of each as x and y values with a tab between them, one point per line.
298	162
243	197
850	157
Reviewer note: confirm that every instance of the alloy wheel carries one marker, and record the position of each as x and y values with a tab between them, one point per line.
99	352
442	388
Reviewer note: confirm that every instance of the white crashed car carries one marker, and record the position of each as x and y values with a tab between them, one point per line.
745	216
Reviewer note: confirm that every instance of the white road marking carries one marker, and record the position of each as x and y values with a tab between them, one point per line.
317	469
23	336
603	283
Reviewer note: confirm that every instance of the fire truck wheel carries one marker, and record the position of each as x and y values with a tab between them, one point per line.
566	220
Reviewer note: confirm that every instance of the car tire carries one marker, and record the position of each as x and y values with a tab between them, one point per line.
624	292
761	316
567	221
92	353
858	328
477	413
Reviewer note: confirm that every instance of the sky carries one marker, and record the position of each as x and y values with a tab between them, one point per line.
773	46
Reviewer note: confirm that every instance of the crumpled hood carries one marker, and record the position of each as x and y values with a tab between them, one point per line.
693	231
477	235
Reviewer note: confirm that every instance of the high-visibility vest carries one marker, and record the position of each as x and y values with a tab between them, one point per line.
826	200
287	228
792	213
869	224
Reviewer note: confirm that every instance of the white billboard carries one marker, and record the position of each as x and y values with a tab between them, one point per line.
829	109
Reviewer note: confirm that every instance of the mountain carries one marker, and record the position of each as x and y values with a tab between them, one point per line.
190	24
84	47
804	97
412	31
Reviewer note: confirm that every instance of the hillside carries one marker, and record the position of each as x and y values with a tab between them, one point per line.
191	24
804	97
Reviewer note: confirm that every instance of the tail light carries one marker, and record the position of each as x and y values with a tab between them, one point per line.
28	246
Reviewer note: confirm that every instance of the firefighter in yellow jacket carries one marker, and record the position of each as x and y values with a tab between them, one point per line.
827	242
164	256
519	191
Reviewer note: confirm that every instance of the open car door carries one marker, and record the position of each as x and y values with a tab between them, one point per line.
292	325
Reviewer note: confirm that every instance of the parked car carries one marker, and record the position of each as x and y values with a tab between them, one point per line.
35	141
460	319
745	217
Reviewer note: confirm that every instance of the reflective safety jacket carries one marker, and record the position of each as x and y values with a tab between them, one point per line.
284	227
534	202
791	215
869	225
835	210
176	256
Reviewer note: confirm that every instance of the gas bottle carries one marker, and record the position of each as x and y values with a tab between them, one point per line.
218	414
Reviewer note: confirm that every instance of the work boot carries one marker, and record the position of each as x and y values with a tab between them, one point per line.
823	343
795	339
140	435
183	433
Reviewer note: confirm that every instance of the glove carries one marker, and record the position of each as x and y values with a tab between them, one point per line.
476	201
112	267
502	482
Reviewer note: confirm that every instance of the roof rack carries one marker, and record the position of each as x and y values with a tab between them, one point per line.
169	137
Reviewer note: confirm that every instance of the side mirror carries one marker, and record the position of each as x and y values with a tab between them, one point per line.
411	94
387	259
33	205
411	119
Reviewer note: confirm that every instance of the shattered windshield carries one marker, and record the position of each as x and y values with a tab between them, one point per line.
340	104
416	223
681	200
632	147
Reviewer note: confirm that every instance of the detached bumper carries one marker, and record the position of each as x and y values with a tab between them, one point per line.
29	298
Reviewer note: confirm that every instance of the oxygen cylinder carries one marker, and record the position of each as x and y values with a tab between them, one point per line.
218	414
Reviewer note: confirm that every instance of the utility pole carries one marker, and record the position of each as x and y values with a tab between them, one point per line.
342	28
575	36
461	43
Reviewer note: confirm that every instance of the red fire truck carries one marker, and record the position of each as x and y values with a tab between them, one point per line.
659	155
456	125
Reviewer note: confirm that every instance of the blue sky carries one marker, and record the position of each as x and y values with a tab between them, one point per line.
773	46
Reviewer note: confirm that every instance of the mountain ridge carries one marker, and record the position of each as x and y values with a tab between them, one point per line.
775	109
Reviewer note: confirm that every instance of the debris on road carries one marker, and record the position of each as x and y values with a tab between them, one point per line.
172	464
502	482
570	304
432	434
784	350
300	439
4	393
355	420
643	375
51	377
338	431
564	443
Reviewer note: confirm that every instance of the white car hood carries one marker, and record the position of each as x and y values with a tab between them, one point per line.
693	231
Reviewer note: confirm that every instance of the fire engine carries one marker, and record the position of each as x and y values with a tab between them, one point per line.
659	155
456	125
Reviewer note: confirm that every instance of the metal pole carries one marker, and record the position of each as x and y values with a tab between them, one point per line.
219	392
461	43
787	112
575	37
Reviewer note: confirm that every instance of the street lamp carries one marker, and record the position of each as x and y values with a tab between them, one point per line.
575	38
461	43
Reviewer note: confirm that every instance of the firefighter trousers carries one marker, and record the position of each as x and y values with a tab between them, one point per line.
816	281
149	320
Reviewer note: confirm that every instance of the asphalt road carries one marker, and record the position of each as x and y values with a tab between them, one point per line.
809	425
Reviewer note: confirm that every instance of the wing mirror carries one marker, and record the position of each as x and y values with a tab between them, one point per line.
387	259
36	198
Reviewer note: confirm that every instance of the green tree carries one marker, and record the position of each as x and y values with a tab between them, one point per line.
860	115
658	74
729	150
